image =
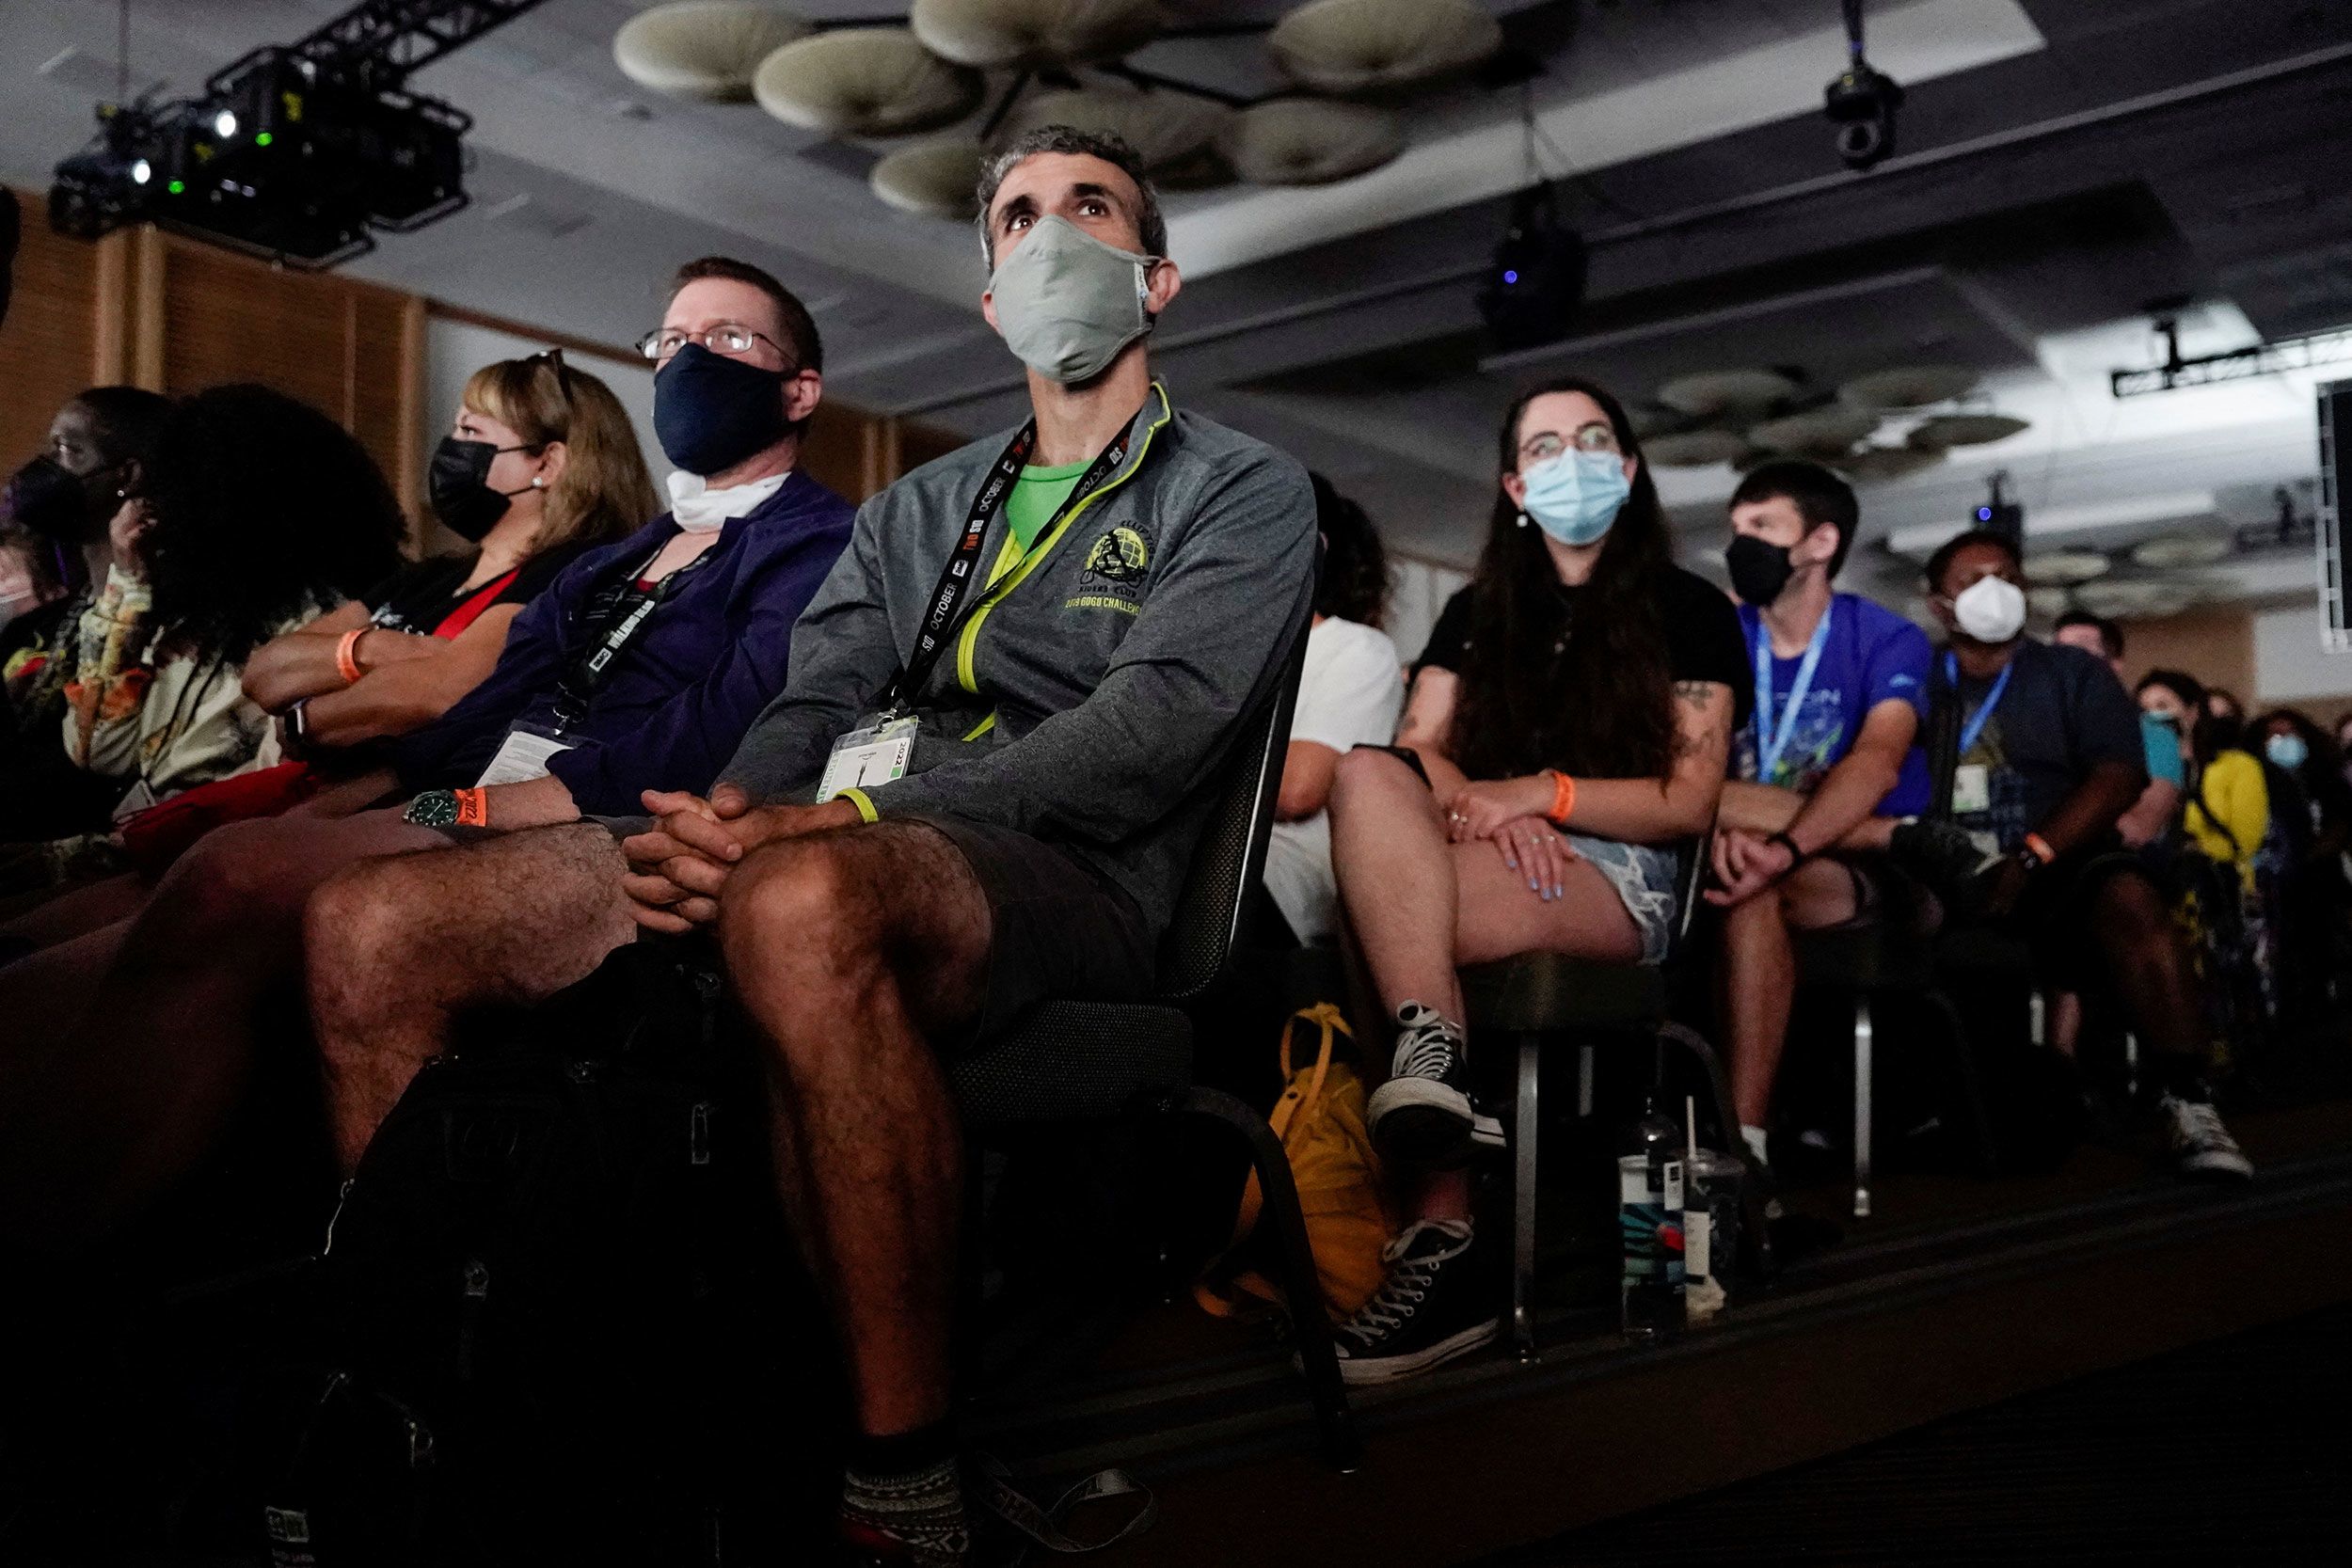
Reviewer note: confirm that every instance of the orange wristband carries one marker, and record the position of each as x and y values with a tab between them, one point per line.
347	656
473	808
2040	848
1563	797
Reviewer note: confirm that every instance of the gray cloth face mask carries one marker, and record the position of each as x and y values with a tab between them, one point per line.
1067	303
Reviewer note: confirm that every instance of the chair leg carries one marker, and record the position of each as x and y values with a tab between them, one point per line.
1970	1085
1862	1106
1756	1237
1584	1083
1309	1326
1523	1201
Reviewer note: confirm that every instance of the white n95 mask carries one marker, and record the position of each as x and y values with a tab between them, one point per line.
1991	609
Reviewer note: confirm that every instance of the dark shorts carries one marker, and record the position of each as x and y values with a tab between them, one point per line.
1059	930
1887	894
2053	915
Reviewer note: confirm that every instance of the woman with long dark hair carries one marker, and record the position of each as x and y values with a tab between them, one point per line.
1566	734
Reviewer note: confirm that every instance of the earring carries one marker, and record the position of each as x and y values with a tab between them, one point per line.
538	481
1522	519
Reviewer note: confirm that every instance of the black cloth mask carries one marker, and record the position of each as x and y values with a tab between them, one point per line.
711	412
56	502
1760	569
459	485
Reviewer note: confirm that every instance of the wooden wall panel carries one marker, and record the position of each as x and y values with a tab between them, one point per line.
2215	645
49	344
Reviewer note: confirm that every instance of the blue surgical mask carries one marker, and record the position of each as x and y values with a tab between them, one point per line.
1576	495
2287	751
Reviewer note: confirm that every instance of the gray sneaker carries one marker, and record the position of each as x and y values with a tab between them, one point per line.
2201	1146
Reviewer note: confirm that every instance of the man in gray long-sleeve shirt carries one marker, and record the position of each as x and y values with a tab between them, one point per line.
1107	598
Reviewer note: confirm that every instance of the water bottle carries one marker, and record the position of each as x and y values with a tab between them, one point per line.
1650	1226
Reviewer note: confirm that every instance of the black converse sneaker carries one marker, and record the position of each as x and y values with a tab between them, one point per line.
1422	1116
1430	1309
2201	1146
1943	856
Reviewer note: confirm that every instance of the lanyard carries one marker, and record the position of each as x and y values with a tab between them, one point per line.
1974	726
944	620
611	632
1768	750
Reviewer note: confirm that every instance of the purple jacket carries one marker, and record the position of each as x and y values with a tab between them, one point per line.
689	684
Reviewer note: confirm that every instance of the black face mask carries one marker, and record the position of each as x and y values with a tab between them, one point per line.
1759	570
459	485
711	412
56	502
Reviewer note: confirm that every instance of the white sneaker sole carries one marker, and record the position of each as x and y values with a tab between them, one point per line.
2232	1167
1426	1094
1388	1369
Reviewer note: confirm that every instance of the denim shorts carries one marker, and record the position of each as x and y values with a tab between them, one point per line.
1645	877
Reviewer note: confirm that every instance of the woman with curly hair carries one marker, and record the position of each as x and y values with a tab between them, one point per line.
1566	731
253	513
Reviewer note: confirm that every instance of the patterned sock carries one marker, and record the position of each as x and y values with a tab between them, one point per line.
914	1517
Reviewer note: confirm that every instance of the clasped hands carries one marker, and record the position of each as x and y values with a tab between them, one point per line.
1747	862
1510	811
679	867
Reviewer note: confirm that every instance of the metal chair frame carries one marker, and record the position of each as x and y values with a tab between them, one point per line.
1648	1018
1251	783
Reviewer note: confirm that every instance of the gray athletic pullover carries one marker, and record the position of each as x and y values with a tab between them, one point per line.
1091	702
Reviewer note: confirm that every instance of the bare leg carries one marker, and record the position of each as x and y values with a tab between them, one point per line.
129	1082
850	950
398	948
1395	874
77	913
2142	950
1759	977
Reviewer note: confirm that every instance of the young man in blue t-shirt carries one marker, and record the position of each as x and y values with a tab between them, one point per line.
1840	687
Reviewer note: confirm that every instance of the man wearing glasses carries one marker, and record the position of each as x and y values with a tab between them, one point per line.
639	668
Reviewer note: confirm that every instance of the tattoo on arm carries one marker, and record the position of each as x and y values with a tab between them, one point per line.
1714	742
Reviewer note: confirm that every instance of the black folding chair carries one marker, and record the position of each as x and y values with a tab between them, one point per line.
1071	1060
1537	998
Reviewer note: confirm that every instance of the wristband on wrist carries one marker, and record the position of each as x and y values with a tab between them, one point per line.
347	654
1796	851
474	807
1562	798
2039	848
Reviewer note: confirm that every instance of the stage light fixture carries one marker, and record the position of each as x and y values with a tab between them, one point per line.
1536	281
2000	515
1861	102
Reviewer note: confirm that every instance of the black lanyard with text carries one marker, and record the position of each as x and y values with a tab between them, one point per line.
611	633
943	621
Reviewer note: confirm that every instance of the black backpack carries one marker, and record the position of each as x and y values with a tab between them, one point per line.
549	1290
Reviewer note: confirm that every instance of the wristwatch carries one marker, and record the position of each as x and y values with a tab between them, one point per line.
434	808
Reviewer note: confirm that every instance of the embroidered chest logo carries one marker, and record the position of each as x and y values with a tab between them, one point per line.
1113	575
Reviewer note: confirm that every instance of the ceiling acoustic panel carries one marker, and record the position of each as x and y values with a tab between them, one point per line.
706	49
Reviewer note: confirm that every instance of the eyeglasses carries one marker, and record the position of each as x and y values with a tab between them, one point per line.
725	337
1547	445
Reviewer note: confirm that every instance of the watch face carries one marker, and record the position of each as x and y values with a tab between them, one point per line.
436	808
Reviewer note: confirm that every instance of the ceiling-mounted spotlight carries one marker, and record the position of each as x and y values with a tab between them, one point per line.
2000	515
1861	102
1536	281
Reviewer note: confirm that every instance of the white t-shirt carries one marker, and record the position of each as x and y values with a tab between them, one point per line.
1350	695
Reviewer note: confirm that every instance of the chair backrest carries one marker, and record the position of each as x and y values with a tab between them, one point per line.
1218	892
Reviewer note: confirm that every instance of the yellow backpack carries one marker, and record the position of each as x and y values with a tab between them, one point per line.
1320	1119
